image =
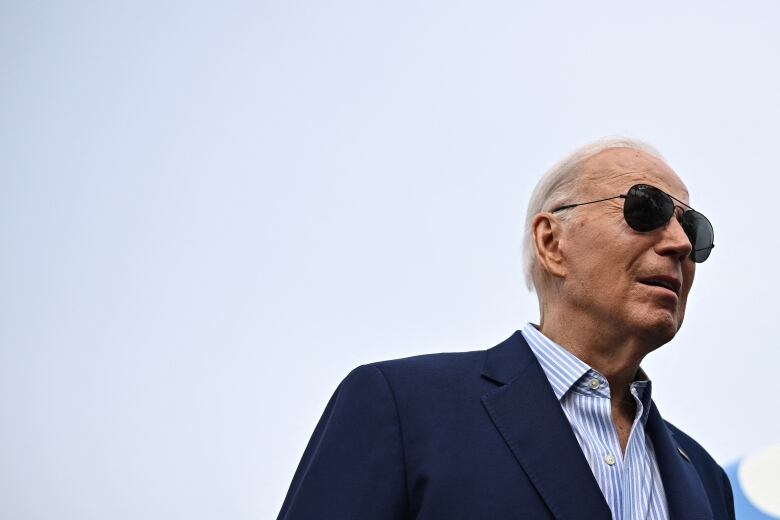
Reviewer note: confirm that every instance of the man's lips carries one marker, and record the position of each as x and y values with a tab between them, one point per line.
667	282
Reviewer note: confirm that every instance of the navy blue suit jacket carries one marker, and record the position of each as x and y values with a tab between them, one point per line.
473	435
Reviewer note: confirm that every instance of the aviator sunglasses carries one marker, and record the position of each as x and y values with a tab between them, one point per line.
647	208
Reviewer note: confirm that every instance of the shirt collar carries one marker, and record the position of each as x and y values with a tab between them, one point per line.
566	372
562	368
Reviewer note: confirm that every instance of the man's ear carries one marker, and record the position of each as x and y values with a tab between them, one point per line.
546	234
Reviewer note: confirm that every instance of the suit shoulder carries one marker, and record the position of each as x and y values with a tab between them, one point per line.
432	366
437	361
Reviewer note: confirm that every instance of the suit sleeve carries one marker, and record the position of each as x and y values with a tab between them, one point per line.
353	466
729	496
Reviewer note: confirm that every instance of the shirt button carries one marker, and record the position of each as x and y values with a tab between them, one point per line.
609	459
594	383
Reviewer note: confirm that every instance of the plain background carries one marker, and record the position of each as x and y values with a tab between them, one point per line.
211	212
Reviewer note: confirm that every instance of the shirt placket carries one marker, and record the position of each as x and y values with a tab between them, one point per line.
633	494
611	455
636	491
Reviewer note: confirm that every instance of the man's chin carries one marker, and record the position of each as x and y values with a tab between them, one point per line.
661	330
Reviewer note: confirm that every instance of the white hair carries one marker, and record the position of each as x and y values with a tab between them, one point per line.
559	185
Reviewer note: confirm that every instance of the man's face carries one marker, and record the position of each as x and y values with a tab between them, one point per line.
610	267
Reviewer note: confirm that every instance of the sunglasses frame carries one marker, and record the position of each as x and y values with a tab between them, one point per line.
694	252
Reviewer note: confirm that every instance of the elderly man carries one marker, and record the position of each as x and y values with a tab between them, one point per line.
556	421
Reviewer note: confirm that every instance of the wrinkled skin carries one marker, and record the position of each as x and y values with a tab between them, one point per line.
603	259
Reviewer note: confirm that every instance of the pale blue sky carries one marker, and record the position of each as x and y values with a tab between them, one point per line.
211	212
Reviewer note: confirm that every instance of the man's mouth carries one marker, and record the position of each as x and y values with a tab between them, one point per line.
667	282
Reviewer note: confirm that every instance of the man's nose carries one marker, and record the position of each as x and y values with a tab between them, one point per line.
673	241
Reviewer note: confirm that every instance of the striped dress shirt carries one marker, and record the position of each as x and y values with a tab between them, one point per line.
631	483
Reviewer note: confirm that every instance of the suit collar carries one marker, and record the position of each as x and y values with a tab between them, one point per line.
685	494
507	360
528	416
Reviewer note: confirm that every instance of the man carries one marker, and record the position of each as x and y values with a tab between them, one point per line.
556	421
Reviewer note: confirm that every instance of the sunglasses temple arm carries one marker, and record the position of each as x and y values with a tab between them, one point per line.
569	206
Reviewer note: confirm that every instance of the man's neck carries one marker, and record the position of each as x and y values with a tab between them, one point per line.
615	355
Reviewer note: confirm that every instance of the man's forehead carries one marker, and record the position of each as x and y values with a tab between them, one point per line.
621	168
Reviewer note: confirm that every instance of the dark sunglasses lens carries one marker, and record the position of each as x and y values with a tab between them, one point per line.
647	208
700	233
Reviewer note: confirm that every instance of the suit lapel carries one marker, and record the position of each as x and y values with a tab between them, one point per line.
530	420
685	495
